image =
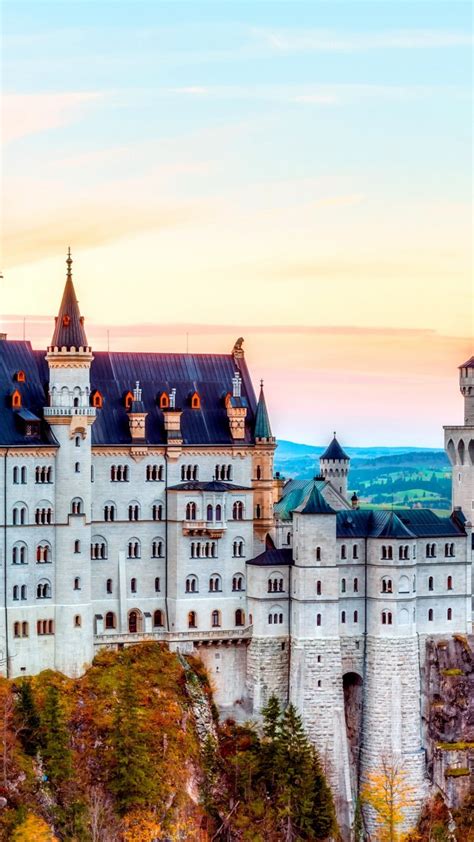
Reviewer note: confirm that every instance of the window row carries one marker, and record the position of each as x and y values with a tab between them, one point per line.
99	548
135	621
189	473
134	511
42	627
20	475
215	583
224	473
204	549
216	619
355	617
43	474
449	583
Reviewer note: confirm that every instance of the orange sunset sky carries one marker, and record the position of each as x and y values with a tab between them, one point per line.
294	173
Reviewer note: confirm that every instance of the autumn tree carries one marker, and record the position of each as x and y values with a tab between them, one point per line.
55	748
33	828
7	730
131	781
388	794
27	717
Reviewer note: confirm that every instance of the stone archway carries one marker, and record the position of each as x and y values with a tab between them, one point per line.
353	687
135	621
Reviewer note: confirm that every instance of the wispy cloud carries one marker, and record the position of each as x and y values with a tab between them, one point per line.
322	40
25	114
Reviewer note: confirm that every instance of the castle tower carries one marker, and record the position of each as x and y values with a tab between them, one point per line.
334	466
459	445
316	685
70	415
262	482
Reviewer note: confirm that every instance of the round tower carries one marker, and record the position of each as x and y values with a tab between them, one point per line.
70	416
459	445
334	466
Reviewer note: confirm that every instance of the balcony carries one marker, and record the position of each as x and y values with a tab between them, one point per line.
69	411
196	636
209	528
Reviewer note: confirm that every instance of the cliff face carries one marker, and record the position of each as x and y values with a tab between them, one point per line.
448	697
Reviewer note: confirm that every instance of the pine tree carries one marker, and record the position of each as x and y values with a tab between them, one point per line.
130	779
28	718
294	777
271	718
272	715
55	747
323	813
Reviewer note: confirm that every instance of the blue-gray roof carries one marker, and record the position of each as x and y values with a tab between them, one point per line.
273	558
334	451
400	524
214	485
262	421
114	374
315	504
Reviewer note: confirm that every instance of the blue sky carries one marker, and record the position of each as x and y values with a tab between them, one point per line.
300	172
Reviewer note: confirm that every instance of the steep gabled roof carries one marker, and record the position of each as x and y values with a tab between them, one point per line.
315	504
262	421
334	451
69	329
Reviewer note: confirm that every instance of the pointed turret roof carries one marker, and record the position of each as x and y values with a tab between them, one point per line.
315	504
262	421
468	364
334	451
69	329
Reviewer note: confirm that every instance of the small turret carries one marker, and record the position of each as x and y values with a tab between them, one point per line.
69	332
263	431
334	466
466	385
137	415
236	407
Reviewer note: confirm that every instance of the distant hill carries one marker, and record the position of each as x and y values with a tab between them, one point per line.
383	476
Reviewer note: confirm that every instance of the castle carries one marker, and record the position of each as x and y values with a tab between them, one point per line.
140	502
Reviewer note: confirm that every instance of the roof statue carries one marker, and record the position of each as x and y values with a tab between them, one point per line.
238	350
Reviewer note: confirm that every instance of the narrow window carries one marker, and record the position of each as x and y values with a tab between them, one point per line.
449	614
430	615
356	585
108	586
343	616
77	584
318	619
449	583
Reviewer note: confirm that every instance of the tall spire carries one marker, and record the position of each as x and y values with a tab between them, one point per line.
262	421
69	329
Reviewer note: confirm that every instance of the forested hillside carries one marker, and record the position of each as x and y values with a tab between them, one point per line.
131	752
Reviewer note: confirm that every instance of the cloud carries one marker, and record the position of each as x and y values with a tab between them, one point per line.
320	40
88	226
25	114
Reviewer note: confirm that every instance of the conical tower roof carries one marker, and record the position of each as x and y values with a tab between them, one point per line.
69	329
262	421
335	451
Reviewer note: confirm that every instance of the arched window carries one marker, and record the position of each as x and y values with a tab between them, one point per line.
43	553
157	511
259	472
110	620
238	548
16	592
77	546
238	582
355	551
128	400
19	553
430	583
215	583
238	510
209	513
77	621
215	619
191	511
386	618
343	585
43	590
449	583
239	617
192	620
77	506
430	615
195	401
343	616
16	399
77	468
98	547
20	376
356	616
158	618
109	512
77	584
343	551
133	585
157	584
134	622
164	401
318	552
133	511
258	511
43	514
157	548
449	614
77	441
218	513
16	475
356	585
386	585
16	630
134	550
318	619
192	584
108	586
318	588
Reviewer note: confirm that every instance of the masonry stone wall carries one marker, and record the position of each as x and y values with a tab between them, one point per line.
226	666
267	671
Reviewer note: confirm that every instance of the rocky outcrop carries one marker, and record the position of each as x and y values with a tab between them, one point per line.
448	695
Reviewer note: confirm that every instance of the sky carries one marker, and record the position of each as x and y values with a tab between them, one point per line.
296	173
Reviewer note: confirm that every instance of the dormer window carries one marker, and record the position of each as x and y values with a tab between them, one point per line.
195	401
20	377
128	400
16	399
164	401
97	399
66	321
